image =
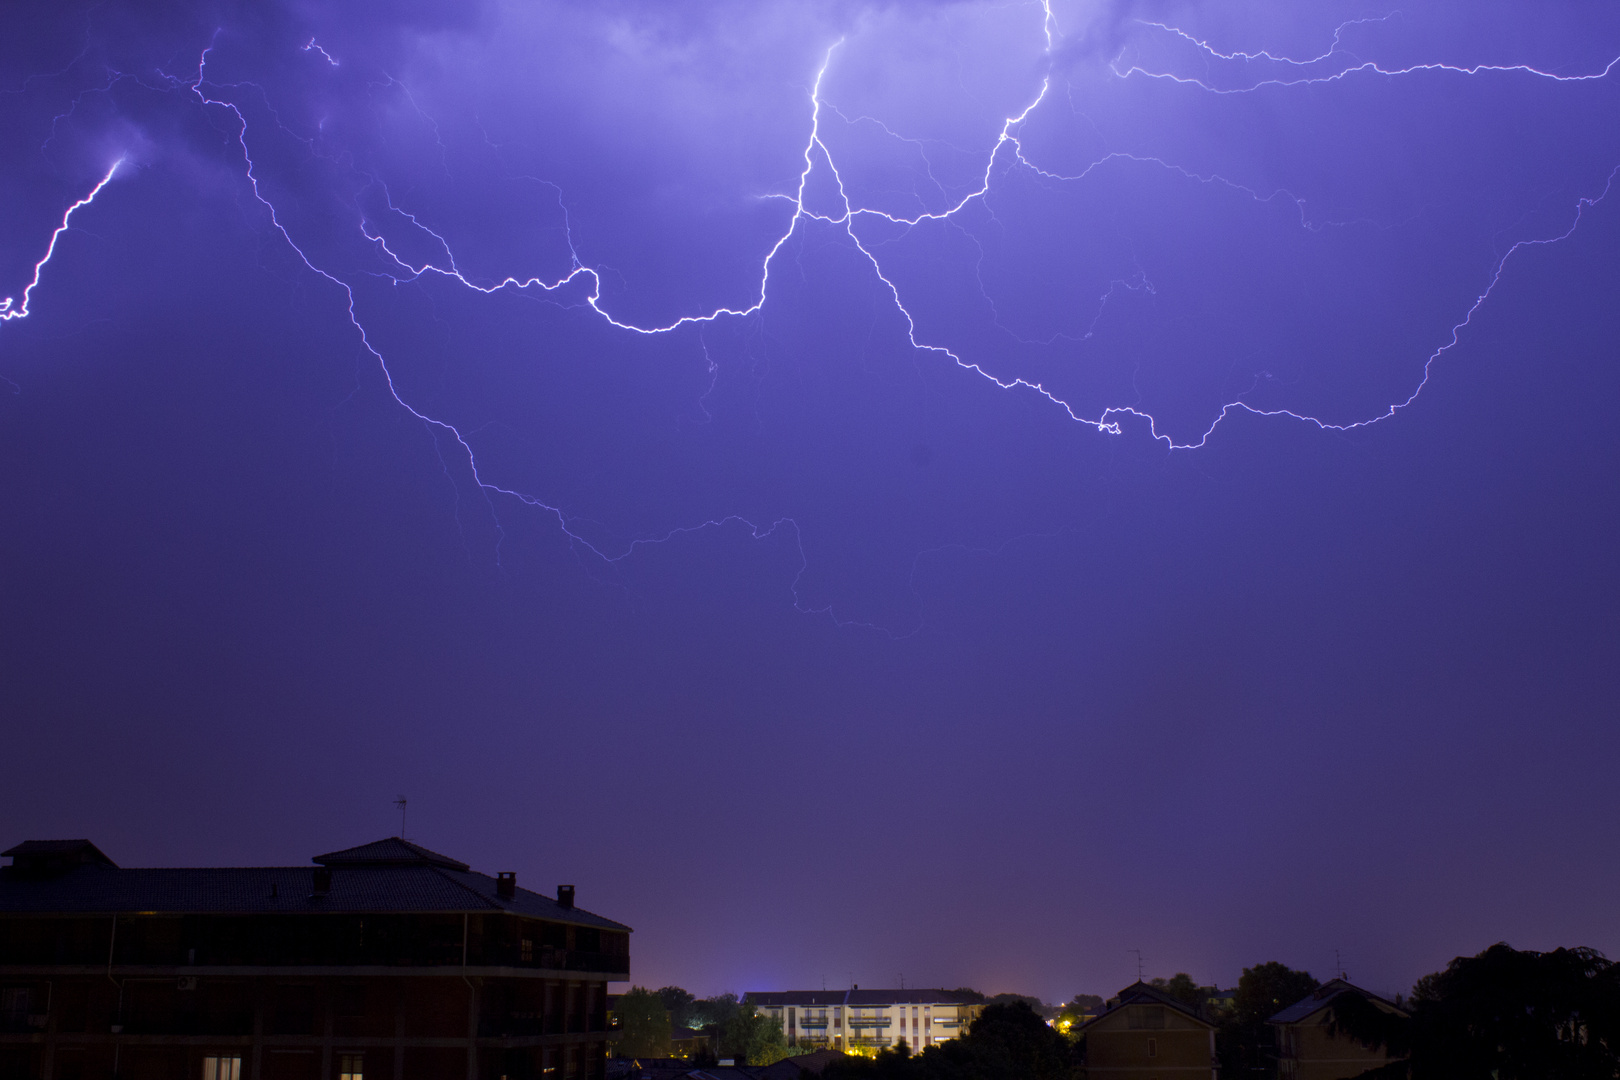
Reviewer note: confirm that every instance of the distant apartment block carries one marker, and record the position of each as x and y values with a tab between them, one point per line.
1307	1046
380	962
869	1019
1145	1034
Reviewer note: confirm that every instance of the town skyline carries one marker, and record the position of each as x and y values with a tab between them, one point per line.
974	491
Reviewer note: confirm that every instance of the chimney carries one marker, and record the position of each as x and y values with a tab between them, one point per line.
565	896
506	884
323	882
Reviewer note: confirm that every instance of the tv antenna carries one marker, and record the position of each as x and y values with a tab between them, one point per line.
1338	966
1138	953
400	802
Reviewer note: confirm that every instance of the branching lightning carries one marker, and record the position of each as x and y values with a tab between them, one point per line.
1005	154
1352	66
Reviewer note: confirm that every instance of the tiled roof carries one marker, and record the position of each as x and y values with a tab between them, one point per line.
859	998
791	1068
1321	998
1140	993
360	887
392	851
44	849
781	998
909	997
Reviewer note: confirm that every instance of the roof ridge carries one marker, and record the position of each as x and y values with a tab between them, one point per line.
443	871
388	850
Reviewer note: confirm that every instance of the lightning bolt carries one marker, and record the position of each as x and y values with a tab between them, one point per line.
8	311
1353	66
1005	154
442	427
311	46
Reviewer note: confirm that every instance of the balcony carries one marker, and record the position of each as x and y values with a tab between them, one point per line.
812	1022
20	1023
871	1040
610	963
869	1021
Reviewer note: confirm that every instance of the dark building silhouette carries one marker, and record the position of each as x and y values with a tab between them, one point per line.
1145	1034
1310	1048
381	962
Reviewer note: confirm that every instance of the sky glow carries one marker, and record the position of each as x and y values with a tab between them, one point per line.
1123	378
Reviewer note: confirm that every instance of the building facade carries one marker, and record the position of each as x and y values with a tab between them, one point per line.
1309	1049
1145	1034
857	1019
381	962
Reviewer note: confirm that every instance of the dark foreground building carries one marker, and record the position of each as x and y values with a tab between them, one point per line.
1145	1034
381	962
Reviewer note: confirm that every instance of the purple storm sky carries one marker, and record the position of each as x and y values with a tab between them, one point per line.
953	491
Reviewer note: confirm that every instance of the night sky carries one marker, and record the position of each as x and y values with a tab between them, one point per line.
951	491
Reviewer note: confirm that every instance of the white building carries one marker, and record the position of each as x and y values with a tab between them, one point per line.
869	1019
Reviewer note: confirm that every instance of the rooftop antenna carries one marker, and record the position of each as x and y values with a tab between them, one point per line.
1338	965
1138	953
400	802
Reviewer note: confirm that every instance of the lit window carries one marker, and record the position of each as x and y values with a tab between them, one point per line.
222	1068
351	1067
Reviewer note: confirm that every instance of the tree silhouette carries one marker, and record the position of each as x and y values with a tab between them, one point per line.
1505	1014
1245	1039
1007	1042
643	1025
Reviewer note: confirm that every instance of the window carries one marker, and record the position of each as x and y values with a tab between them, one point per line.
528	951
350	1000
1153	1048
351	1067
15	1004
222	1068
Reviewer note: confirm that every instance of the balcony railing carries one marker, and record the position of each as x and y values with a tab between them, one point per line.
871	1040
19	1023
528	1026
869	1021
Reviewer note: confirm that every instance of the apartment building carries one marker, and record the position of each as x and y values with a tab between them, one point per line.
381	962
857	1019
